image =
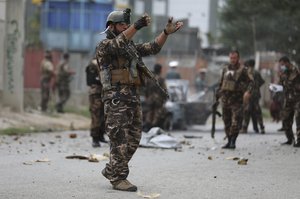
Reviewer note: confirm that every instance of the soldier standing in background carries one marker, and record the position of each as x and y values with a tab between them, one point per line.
155	102
234	90
172	73
63	79
121	68
47	75
290	80
96	105
253	109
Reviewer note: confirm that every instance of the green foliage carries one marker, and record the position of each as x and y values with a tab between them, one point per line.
18	131
83	111
258	25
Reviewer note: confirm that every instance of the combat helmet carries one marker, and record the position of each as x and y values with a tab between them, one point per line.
118	16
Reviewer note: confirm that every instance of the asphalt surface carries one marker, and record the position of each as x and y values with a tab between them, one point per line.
201	169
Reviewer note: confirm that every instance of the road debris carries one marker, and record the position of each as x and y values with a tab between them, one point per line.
193	136
150	196
73	135
243	161
90	158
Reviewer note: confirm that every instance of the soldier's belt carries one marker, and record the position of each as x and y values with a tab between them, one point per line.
123	76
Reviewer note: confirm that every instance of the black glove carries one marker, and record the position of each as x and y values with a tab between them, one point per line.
142	22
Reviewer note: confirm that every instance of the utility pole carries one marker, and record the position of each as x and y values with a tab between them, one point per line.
13	88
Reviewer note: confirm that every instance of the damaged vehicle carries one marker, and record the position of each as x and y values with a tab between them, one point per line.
183	109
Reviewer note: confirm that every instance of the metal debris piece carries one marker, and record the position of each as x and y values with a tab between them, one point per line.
80	157
192	136
243	161
43	160
28	163
97	158
233	158
185	142
150	196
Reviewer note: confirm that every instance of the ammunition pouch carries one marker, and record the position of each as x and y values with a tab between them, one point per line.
110	78
228	85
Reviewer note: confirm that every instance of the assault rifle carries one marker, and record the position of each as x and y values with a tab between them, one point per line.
214	113
144	69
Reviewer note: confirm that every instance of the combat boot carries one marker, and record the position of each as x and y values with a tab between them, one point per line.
227	146
124	185
297	144
262	131
232	142
255	128
290	138
96	143
102	139
288	142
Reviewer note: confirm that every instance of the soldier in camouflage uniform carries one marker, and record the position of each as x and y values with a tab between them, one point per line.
234	90
63	80
47	74
290	80
96	105
121	77
155	102
253	109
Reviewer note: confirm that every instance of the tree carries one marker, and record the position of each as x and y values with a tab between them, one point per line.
258	25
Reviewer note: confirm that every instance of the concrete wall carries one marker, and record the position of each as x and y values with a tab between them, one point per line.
13	58
2	33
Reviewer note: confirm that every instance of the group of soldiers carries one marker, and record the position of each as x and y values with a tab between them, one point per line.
52	80
239	93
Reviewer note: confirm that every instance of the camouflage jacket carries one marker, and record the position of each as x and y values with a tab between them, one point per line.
63	74
152	94
258	82
235	81
112	54
290	80
47	70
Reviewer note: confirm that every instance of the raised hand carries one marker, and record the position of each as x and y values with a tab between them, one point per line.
172	27
145	20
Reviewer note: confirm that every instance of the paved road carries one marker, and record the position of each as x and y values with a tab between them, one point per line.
200	170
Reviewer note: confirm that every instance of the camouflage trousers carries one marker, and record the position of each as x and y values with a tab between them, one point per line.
291	109
123	124
96	108
254	112
155	116
45	94
232	115
63	94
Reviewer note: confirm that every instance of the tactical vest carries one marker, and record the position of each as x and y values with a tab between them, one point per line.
112	76
230	79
